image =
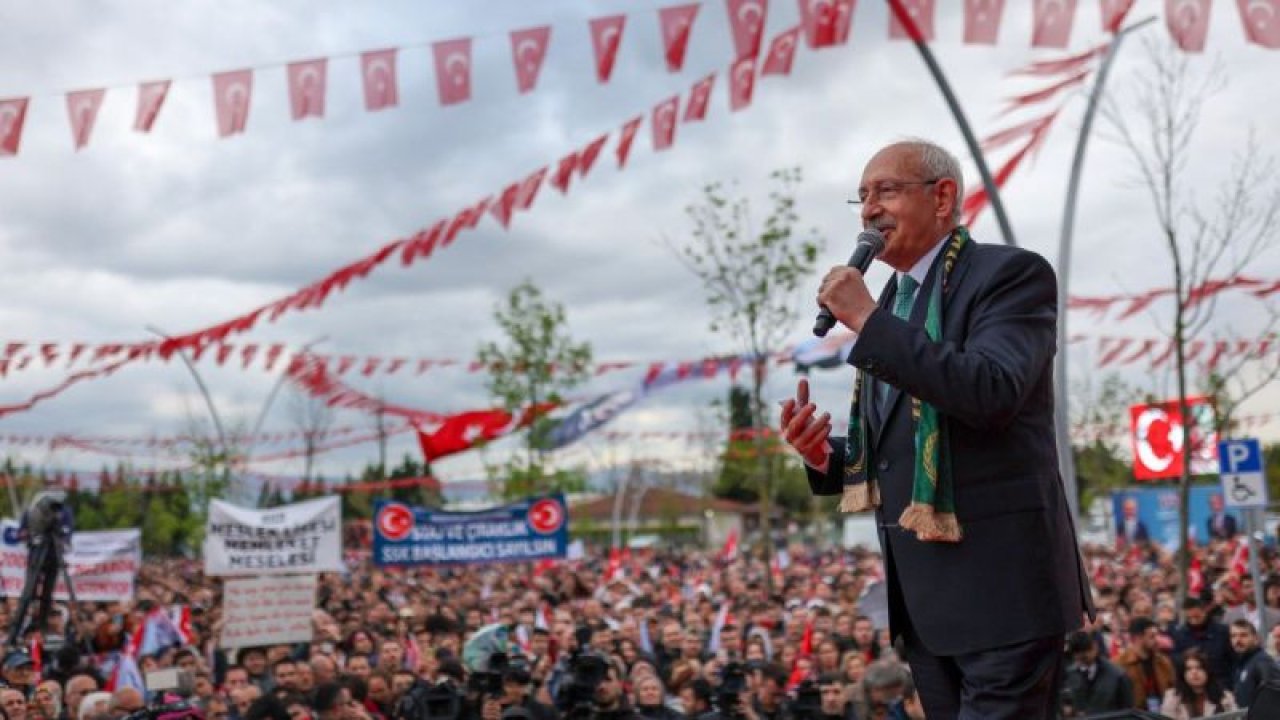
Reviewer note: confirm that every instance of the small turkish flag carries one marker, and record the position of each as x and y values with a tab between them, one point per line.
151	96
231	94
628	136
529	188
82	109
818	17
782	53
747	18
306	88
1114	12
664	122
1052	19
699	97
590	153
921	14
742	83
982	21
564	172
378	69
844	20
1188	22
463	431
453	70
676	22
528	50
606	36
13	113
1261	21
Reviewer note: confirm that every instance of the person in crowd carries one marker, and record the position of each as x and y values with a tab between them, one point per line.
1092	683
1197	693
1253	666
1149	669
1202	633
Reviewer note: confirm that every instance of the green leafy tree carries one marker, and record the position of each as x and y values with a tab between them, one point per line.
536	364
751	276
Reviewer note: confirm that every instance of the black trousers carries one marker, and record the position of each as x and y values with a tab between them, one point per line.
1019	682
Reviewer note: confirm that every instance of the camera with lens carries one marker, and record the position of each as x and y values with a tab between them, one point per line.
808	702
487	683
586	670
728	696
426	701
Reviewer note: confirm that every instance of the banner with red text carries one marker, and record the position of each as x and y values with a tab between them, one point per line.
102	564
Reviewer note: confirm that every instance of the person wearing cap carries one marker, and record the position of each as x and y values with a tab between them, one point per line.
19	671
1093	684
1149	669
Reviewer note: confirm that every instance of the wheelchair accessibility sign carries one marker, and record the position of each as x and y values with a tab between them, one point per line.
1243	482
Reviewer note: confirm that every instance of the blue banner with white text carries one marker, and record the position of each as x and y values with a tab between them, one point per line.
532	529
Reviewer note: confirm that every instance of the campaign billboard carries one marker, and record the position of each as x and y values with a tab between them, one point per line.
1143	514
532	529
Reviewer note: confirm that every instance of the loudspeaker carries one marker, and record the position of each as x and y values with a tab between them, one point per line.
1266	704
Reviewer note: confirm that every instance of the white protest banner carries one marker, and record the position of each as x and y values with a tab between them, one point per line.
270	610
305	537
102	563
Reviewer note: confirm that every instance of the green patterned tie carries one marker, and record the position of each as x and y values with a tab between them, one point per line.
901	308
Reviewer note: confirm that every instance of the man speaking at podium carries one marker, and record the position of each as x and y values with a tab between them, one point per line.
951	443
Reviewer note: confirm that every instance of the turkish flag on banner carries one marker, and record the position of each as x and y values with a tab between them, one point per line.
82	109
921	14
306	88
747	18
1114	13
818	18
1261	21
982	21
231	94
1158	434
628	136
529	188
13	113
468	429
742	83
453	70
1052	20
528	50
151	97
676	22
589	154
782	53
606	36
1188	22
378	71
664	122
699	97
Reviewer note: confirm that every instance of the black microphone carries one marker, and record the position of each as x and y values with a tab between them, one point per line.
870	244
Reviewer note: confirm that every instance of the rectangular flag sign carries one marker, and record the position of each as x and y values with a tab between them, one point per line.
532	529
304	537
102	563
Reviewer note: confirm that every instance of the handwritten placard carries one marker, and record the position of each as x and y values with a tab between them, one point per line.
267	610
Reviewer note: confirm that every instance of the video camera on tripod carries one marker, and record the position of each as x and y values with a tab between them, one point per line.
46	528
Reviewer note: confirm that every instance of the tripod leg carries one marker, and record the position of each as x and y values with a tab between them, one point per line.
35	561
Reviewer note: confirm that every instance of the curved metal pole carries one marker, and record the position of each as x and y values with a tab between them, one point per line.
975	150
204	391
1062	415
271	396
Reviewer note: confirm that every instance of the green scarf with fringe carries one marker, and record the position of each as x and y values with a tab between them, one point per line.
932	512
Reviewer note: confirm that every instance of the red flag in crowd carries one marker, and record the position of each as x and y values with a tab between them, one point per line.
453	70
528	50
306	88
1052	20
151	97
606	36
677	24
82	109
730	549
378	70
747	18
1195	577
231	94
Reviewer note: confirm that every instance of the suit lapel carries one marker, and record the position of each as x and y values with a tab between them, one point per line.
919	311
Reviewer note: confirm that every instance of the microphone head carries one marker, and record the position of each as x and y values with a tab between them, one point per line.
873	238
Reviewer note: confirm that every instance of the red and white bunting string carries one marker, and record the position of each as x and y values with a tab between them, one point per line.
824	23
180	442
1119	351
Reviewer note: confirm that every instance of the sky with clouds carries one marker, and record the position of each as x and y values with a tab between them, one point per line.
178	229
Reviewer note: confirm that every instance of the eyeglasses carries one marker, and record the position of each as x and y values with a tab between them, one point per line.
887	190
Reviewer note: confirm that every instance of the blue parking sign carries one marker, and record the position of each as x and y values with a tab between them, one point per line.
1243	482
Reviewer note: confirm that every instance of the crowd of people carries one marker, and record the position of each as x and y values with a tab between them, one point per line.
654	633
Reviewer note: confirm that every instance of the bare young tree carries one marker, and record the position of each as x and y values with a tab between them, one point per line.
1155	120
313	418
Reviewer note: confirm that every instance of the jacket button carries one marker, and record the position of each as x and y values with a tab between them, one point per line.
884	465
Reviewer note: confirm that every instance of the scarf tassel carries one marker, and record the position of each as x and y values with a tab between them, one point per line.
930	525
859	497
